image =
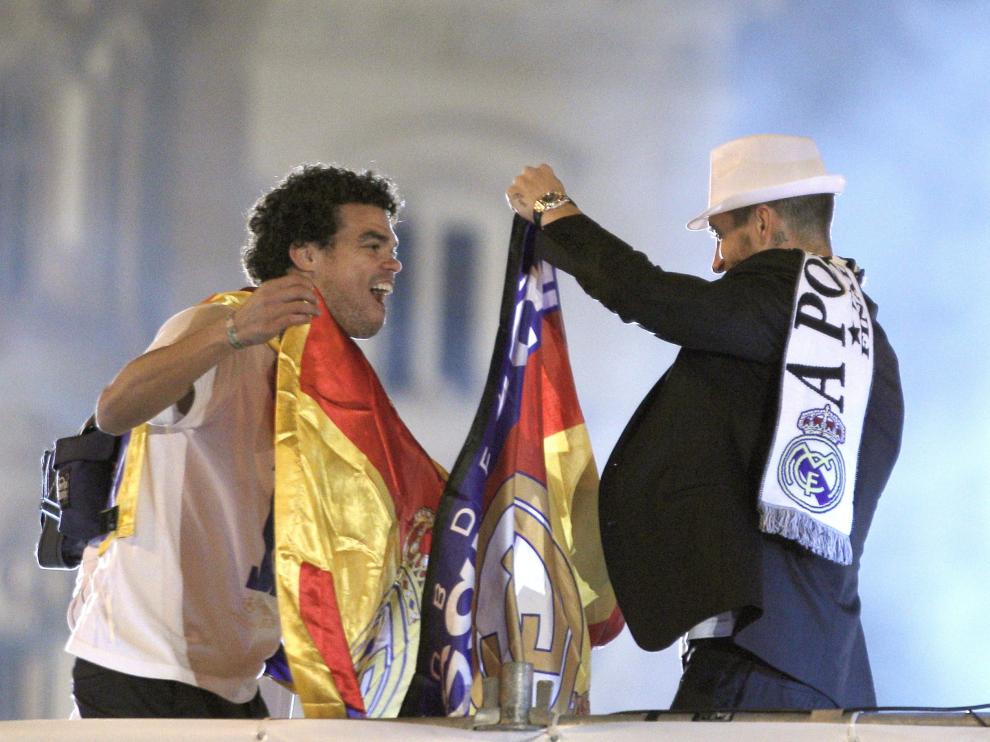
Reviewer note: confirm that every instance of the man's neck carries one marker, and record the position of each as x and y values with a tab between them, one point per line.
824	251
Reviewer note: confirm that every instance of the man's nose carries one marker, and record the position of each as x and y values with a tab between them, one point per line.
393	264
718	262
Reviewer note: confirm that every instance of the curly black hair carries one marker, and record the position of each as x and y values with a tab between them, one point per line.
303	208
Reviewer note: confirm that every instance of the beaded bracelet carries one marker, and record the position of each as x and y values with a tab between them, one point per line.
235	342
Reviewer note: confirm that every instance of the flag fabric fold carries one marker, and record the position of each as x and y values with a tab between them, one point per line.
355	500
516	570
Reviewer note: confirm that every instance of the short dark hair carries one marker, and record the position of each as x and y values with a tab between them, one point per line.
303	208
805	215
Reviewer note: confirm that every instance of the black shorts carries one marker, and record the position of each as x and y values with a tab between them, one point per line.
103	693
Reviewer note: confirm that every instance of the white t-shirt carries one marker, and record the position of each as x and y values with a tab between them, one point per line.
190	596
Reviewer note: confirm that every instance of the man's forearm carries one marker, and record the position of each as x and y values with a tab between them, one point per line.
164	376
161	377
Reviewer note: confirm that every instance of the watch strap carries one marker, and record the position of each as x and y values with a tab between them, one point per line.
548	202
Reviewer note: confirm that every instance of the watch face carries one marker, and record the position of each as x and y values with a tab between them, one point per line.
548	201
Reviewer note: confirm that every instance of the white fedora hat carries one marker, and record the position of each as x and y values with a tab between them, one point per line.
761	168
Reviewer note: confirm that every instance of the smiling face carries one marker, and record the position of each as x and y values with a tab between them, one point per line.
357	271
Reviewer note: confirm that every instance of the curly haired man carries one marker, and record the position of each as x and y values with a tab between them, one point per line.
178	619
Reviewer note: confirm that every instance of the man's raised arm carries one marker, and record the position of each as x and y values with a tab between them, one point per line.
164	376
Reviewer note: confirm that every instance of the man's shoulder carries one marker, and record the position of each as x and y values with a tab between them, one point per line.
188	320
783	260
196	313
768	272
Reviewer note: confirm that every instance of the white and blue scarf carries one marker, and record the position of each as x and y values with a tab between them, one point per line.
807	489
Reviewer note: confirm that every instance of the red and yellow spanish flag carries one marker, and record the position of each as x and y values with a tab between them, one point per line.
355	500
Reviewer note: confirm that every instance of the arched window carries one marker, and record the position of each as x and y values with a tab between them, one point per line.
453	328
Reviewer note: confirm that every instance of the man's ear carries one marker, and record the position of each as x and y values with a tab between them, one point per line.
302	256
766	221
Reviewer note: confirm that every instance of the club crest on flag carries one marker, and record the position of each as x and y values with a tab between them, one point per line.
531	590
383	663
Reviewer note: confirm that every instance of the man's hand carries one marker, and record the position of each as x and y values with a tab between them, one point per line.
275	305
534	183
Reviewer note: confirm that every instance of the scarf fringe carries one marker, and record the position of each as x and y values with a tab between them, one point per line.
807	531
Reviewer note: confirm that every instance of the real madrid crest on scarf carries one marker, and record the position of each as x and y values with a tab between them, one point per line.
807	490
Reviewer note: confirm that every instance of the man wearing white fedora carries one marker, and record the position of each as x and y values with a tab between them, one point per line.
736	503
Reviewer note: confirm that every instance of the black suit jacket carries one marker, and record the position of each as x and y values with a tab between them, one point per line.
678	500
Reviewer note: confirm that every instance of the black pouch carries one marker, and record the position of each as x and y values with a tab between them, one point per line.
76	484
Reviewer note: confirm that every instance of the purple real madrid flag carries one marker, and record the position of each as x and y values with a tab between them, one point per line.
516	570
